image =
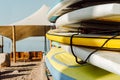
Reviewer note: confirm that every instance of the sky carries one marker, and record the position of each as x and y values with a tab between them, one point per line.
15	10
12	11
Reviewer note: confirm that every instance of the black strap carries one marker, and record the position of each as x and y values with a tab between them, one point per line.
83	62
76	59
101	46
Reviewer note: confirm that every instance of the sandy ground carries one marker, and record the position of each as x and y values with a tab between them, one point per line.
24	71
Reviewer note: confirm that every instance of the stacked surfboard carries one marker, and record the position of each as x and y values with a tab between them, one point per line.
89	30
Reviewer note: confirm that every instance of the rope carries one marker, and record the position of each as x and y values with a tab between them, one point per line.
83	62
76	59
100	47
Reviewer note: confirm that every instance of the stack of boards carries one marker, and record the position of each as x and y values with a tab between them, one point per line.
85	27
62	66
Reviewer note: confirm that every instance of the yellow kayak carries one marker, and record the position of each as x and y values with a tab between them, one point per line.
87	40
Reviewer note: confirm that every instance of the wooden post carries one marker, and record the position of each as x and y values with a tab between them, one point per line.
14	43
45	43
2	45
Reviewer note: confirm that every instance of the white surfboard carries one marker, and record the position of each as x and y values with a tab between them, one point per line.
108	60
60	9
105	12
64	6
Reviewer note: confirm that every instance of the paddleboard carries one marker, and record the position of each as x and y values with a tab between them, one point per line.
104	12
62	66
87	40
108	60
65	6
93	24
60	9
92	27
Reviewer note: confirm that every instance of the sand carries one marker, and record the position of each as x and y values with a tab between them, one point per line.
34	70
